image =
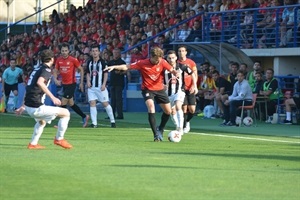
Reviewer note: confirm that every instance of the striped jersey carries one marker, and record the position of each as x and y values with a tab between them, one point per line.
175	84
96	73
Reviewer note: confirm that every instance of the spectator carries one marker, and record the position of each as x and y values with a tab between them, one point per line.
270	91
241	92
292	102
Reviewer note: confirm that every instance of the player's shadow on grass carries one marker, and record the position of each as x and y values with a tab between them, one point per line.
270	157
154	166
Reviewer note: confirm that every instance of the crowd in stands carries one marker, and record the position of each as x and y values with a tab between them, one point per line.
124	23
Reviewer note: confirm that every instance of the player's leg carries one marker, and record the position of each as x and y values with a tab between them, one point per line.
7	90
103	98
288	103
37	132
92	97
15	92
69	91
163	100
149	101
191	107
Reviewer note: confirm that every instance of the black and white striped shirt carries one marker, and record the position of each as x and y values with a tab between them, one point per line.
95	71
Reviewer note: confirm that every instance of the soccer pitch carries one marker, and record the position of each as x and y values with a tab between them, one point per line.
125	163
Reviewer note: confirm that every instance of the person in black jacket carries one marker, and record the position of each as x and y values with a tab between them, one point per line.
117	84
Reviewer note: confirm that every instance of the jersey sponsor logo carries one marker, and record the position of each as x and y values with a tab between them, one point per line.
94	73
153	77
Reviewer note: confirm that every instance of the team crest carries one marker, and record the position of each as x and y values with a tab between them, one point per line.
94	72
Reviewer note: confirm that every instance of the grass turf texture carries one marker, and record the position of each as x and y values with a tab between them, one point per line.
124	163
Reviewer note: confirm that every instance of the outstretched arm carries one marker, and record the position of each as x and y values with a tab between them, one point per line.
117	67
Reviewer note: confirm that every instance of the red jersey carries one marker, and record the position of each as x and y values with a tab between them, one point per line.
67	68
152	75
188	81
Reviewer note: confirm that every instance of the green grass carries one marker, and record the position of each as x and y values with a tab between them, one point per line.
124	163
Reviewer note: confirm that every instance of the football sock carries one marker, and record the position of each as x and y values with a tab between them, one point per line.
164	120
15	101
174	118
289	116
152	122
180	119
184	119
78	111
62	127
189	116
93	111
110	113
37	132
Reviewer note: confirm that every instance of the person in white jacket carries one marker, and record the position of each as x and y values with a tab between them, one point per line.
241	91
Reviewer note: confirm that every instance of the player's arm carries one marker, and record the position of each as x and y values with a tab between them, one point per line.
81	71
118	67
105	77
194	79
41	83
55	74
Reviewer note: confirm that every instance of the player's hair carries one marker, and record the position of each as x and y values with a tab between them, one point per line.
241	72
156	52
46	55
244	64
182	46
270	69
64	45
171	52
95	47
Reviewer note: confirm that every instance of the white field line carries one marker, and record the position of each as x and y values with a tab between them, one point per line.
241	137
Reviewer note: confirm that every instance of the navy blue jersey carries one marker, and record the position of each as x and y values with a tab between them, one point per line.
34	96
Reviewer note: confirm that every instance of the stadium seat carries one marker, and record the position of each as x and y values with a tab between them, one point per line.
250	108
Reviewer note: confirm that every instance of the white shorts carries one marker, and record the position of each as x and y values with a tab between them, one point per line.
46	113
179	96
97	94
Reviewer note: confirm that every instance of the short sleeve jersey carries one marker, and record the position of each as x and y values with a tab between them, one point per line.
188	77
11	76
223	83
67	69
34	96
152	75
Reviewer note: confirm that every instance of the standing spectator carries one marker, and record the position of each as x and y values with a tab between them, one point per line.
34	105
10	82
66	66
117	84
191	89
241	92
152	70
96	82
251	75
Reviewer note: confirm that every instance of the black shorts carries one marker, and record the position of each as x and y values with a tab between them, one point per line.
69	90
190	99
8	88
160	96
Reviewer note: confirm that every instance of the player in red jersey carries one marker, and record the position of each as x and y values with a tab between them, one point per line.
152	72
66	66
189	105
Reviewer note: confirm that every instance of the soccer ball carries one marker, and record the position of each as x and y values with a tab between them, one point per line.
248	121
174	136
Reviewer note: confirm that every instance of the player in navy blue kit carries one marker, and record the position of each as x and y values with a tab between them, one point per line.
36	91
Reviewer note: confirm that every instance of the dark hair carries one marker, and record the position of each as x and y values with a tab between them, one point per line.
46	55
270	69
216	72
64	45
171	52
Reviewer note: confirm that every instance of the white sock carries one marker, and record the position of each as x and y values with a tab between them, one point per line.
110	114
180	118
62	127
175	119
37	132
289	116
93	111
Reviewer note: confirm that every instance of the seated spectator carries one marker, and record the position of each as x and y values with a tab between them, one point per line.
258	84
270	91
223	89
183	32
292	102
241	92
196	33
